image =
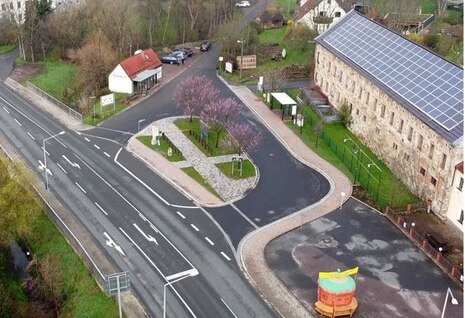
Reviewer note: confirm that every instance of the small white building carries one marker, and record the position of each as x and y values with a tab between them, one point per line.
136	74
322	14
455	209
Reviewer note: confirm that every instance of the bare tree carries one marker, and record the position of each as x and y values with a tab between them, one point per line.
441	6
194	93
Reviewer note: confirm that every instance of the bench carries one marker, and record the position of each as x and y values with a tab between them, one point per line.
332	312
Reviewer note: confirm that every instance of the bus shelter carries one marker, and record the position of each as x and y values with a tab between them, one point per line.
287	104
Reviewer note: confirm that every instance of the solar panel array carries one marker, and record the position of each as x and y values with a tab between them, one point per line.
428	82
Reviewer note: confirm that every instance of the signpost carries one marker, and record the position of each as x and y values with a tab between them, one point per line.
300	121
106	100
115	284
237	160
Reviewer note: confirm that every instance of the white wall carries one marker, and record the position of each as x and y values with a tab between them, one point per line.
330	8
119	82
456	201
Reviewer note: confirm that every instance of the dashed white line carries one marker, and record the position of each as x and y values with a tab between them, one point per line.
181	215
106	154
61	168
101	209
209	241
96	146
77	132
87	139
195	227
32	137
154	228
79	186
45	151
6	110
18	122
225	256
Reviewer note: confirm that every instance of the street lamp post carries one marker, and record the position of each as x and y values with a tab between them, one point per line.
453	301
45	156
343	194
138	124
241	41
190	273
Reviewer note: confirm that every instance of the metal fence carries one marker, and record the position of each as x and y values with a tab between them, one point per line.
54	101
438	257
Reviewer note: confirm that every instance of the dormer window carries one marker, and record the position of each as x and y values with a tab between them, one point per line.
337	14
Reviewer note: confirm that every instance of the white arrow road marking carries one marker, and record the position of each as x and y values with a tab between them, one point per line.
74	164
147	237
42	166
112	243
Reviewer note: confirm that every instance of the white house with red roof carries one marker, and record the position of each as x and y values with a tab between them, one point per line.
136	74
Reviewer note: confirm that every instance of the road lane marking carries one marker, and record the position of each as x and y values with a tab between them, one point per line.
229	308
61	168
79	186
77	132
106	154
154	228
147	237
42	167
160	272
244	216
101	209
181	215
6	110
209	241
112	243
18	122
87	139
142	217
43	149
74	164
194	227
225	256
96	146
32	137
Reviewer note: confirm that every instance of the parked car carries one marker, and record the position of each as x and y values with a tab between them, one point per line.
242	4
168	59
186	50
205	46
179	54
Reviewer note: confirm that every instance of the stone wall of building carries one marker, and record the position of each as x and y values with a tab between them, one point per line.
420	157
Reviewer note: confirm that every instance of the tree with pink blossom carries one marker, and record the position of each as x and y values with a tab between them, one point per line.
243	138
218	114
193	93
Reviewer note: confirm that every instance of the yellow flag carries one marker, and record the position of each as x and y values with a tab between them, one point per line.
348	272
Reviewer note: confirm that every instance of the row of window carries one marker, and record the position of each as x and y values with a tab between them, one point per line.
10	6
433	180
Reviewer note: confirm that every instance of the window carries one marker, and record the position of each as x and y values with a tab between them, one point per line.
375	103
364	118
401	126
434	181
357	112
422	171
410	134
329	1
383	110
431	151
420	142
19	4
394	146
378	130
322	13
360	93
318	58
406	156
11	6
341	74
460	184
329	66
337	14
391	120
443	161
353	86
335	70
3	7
461	217
367	101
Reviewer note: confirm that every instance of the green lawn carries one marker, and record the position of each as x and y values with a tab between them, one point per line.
163	149
6	48
185	126
56	78
82	297
331	148
106	111
428	6
248	170
194	174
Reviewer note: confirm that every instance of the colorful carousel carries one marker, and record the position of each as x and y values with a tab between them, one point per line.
336	293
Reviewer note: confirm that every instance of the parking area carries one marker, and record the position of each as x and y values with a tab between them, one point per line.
396	279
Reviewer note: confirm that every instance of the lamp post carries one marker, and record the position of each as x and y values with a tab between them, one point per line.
241	41
190	273
45	156
138	124
453	301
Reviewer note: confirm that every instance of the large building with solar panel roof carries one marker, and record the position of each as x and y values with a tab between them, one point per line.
406	101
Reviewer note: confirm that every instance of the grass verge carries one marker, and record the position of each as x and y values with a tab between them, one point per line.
162	149
103	113
83	298
248	170
7	48
194	174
